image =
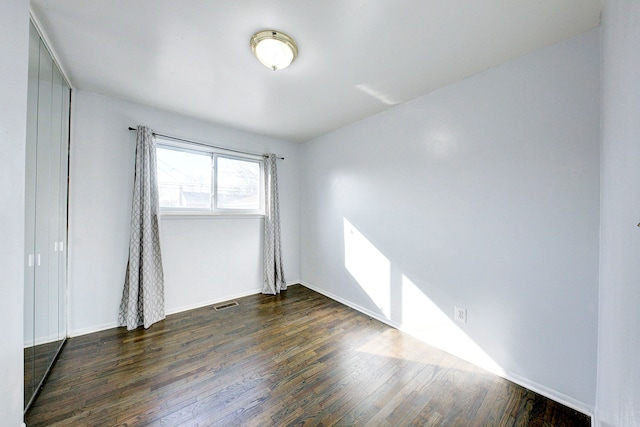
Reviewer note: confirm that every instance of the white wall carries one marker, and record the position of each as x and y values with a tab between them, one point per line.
206	260
484	194
14	49
618	401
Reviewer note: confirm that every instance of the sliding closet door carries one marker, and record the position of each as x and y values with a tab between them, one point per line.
46	215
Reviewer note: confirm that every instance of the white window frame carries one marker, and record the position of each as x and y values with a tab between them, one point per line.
215	154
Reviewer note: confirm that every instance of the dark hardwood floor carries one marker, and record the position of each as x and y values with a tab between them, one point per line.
296	359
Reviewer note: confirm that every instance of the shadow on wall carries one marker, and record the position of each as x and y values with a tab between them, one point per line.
407	307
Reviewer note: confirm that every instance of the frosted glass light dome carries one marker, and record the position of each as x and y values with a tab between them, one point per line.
274	49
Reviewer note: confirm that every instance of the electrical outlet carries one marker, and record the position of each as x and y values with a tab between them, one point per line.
460	314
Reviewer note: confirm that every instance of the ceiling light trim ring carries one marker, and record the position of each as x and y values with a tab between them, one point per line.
284	39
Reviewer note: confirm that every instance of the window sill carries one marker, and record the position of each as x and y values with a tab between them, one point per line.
207	215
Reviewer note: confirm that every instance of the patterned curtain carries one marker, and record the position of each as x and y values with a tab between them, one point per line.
143	296
274	281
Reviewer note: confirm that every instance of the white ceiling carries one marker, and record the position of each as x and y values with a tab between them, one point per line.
356	57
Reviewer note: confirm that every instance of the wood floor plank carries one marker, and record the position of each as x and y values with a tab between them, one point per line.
298	358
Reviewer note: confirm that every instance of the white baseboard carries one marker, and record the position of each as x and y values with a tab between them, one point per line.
92	329
523	382
211	302
350	304
219	300
551	394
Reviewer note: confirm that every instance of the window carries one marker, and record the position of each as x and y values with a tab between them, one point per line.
202	181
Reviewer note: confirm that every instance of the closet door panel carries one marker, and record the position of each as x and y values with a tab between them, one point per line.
44	239
30	211
53	248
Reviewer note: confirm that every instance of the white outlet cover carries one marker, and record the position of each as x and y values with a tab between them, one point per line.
460	314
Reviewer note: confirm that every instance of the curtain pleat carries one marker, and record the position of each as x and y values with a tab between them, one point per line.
142	301
274	280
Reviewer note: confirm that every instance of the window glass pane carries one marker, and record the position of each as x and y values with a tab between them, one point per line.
184	179
238	184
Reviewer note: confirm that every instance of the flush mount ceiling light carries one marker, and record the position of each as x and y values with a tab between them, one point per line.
274	49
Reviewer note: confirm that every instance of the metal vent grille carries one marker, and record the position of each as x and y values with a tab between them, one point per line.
225	305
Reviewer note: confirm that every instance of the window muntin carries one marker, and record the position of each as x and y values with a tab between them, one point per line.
207	182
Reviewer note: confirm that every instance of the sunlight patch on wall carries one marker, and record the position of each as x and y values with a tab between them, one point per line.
368	266
423	319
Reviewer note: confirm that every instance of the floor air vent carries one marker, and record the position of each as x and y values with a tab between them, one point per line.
225	305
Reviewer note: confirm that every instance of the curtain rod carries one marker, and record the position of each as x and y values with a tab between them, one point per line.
175	138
